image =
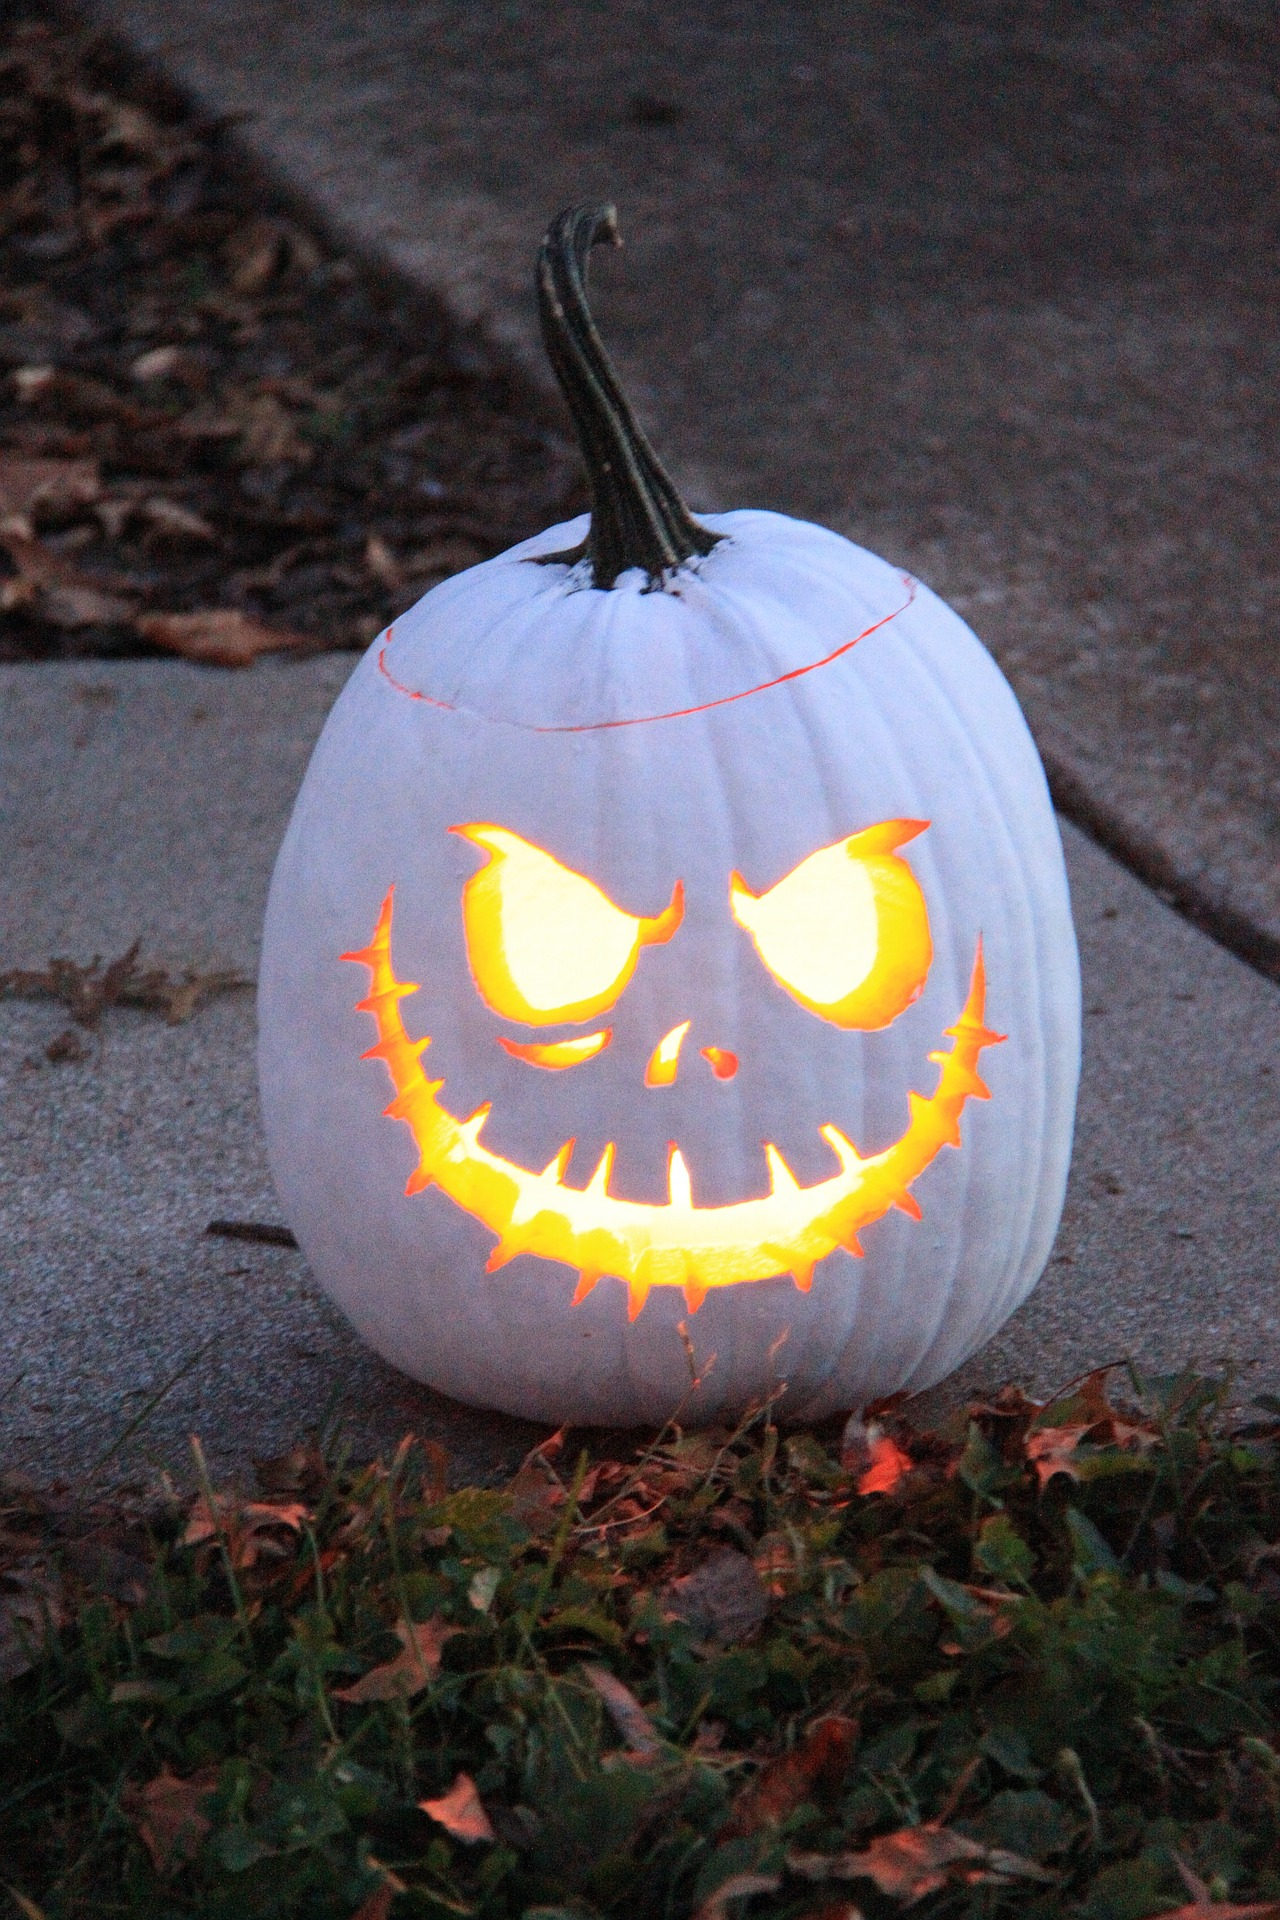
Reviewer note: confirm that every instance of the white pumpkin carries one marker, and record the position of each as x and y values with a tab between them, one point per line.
637	954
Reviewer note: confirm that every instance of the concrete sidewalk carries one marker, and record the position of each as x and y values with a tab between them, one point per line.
993	291
147	798
996	301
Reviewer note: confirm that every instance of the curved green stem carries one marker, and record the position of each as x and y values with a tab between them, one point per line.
637	517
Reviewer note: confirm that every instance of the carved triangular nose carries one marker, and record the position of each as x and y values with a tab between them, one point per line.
664	1062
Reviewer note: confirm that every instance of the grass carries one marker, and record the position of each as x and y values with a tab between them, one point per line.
1029	1667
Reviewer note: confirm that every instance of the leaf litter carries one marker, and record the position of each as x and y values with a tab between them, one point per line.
219	436
978	1691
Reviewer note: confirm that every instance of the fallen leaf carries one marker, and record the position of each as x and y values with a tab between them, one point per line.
460	1811
48	586
422	1642
32	383
739	1886
240	1526
60	486
382	563
166	1813
175	522
268	434
158	363
1050	1450
223	637
377	1905
253	254
819	1763
723	1599
628	1716
918	1860
888	1465
26	1907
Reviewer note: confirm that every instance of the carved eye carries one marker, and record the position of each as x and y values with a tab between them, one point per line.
847	931
544	943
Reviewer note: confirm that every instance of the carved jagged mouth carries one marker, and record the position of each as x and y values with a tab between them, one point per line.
673	1244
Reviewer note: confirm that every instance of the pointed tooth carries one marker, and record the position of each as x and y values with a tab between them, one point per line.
853	1245
843	1148
637	1294
587	1279
560	1165
962	1079
599	1181
907	1203
802	1274
504	1251
694	1294
679	1185
418	1180
781	1178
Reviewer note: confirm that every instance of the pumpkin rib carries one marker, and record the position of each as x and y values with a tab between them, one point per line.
952	694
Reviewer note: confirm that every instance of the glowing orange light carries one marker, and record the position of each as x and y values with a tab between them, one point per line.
544	943
558	1053
721	1062
847	931
676	1244
664	1062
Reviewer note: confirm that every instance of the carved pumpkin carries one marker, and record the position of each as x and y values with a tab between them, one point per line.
691	892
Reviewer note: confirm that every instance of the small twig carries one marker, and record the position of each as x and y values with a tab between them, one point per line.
260	1230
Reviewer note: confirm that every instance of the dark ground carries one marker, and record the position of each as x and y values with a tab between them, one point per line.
207	410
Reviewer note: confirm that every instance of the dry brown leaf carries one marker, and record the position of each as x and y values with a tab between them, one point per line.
223	637
628	1716
32	383
241	1526
158	363
166	1813
460	1812
422	1643
61	486
254	254
739	1886
53	589
1050	1450
918	1860
26	1906
377	1905
817	1765
382	563
888	1465
723	1599
267	431
175	522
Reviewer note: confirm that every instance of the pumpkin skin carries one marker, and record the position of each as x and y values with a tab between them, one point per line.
643	735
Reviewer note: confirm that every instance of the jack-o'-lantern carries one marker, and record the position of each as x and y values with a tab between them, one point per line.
670	950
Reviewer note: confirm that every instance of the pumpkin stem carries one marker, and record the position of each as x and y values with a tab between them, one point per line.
637	517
